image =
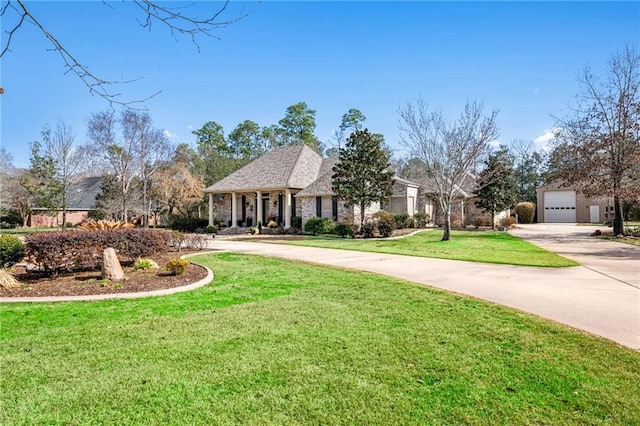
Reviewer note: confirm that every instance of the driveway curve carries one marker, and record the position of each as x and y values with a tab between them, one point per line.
579	297
615	260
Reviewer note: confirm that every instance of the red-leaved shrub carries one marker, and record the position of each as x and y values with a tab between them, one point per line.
65	251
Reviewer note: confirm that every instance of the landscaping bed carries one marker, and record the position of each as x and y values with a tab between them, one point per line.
631	235
89	282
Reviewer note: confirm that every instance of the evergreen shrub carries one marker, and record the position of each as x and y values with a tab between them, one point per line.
526	212
11	250
317	226
387	222
403	220
421	219
188	224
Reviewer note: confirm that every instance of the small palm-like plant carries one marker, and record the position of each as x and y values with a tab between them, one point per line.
145	264
105	225
7	280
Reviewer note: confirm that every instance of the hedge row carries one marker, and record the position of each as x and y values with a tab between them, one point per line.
383	222
189	224
64	251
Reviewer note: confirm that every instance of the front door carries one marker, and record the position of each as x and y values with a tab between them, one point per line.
594	214
244	208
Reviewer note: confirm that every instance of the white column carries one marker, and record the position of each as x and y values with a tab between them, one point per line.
234	210
259	207
210	209
287	209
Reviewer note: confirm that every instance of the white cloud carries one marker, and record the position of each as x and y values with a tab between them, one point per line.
494	144
542	141
169	135
190	127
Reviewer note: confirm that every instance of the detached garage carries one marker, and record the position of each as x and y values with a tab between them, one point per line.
562	204
559	206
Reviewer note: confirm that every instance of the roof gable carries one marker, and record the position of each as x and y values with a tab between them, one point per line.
322	185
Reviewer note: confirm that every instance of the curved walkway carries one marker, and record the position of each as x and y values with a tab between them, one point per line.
579	297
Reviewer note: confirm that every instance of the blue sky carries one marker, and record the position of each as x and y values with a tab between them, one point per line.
520	57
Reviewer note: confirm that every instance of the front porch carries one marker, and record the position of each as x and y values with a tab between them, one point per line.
247	208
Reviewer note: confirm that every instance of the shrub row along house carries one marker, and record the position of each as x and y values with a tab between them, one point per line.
295	181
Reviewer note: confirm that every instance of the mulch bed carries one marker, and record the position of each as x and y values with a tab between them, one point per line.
82	283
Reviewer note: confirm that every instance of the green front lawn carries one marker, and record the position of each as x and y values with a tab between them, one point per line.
474	246
279	342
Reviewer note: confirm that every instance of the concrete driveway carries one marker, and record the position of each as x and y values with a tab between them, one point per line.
601	301
618	261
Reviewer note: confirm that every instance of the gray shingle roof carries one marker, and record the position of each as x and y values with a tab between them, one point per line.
82	195
286	167
406	182
322	185
429	187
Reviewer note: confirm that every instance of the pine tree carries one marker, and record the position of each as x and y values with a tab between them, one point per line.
363	174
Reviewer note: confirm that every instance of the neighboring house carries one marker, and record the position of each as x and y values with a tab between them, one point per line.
558	203
286	182
81	198
463	209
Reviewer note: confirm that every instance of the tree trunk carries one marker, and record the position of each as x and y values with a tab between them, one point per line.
64	211
361	216
493	219
145	216
617	216
447	224
124	210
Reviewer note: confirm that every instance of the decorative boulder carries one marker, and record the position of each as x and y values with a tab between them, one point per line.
111	268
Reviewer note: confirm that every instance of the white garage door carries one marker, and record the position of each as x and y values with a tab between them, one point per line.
560	206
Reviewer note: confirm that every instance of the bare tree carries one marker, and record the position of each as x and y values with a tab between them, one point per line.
151	149
19	197
597	149
91	160
15	14
528	169
448	150
132	150
6	174
177	189
119	155
59	148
